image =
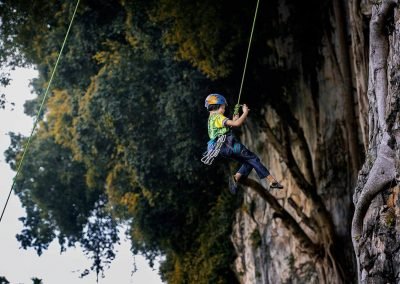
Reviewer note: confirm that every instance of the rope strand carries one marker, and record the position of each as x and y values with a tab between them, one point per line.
248	51
40	110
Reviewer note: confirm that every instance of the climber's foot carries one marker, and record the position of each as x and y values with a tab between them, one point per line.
276	185
233	186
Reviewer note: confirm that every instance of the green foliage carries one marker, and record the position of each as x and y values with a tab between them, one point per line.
121	142
217	32
55	183
291	261
124	128
100	235
255	239
389	217
58	204
156	147
10	56
37	281
3	280
206	260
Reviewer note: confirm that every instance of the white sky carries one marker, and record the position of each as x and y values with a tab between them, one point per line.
19	265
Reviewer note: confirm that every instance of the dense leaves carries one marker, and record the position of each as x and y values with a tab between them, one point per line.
122	136
3	280
124	127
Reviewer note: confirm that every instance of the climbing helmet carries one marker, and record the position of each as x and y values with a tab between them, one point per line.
215	99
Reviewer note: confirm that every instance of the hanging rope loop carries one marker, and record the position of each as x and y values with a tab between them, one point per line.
209	155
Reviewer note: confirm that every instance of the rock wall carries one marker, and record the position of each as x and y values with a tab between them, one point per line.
319	104
376	221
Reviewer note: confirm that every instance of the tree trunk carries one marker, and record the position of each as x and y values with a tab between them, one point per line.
375	226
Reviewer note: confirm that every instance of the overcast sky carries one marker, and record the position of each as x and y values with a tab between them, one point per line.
19	265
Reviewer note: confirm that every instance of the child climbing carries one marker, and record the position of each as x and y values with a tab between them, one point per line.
224	143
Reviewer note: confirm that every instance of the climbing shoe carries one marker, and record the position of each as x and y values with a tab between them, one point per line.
276	184
233	186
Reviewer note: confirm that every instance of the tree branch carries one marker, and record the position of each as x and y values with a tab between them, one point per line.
285	152
379	48
383	169
289	222
294	125
322	216
382	172
309	222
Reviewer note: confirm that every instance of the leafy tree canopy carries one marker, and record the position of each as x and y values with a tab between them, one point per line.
123	133
124	128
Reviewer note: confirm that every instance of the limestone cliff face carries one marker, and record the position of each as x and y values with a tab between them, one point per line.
313	144
315	141
267	252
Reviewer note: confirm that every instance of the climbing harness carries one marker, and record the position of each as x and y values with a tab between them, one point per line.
40	110
237	106
210	154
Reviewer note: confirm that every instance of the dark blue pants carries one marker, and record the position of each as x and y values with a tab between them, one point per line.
235	150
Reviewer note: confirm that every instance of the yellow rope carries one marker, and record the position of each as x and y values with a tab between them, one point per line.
40	110
248	51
